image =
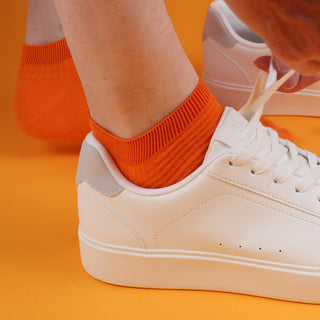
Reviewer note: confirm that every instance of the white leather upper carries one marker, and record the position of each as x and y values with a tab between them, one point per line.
223	209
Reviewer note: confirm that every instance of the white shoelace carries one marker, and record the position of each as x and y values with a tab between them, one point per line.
273	152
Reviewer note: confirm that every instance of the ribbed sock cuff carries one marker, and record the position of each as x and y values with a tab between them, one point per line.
45	54
139	149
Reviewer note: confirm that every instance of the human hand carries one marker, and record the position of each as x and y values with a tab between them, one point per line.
295	83
291	29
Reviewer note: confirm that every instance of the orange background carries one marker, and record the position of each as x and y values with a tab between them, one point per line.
40	269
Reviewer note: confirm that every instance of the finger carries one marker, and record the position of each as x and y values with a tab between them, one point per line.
291	84
303	82
308	69
263	63
295	83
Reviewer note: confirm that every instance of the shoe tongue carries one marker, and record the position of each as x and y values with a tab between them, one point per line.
230	127
227	132
228	136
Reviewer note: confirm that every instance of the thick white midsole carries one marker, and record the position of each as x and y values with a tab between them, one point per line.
178	269
302	103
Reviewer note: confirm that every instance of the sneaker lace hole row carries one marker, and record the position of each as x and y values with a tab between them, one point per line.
260	248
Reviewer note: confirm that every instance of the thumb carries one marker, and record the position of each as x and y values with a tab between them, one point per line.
283	69
263	63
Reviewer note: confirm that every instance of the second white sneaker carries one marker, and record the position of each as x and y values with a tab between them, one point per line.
229	50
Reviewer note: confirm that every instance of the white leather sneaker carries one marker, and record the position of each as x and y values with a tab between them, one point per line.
229	50
246	221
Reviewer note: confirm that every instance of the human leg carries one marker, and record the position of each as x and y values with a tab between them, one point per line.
135	73
43	25
49	100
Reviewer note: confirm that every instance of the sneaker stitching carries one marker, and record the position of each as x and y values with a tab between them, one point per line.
107	210
107	193
190	212
262	192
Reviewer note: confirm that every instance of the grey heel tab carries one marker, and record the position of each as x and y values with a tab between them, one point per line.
215	29
93	170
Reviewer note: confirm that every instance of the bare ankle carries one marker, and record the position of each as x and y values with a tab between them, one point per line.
43	25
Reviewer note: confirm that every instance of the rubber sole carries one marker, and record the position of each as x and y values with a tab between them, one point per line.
303	103
177	269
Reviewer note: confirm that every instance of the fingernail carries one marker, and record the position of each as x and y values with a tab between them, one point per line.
259	64
262	63
292	82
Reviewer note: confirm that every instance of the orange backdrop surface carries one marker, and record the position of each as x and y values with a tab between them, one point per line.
40	269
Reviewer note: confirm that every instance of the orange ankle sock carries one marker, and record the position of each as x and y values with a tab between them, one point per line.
171	150
49	101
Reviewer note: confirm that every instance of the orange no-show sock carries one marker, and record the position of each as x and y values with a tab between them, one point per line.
50	103
172	149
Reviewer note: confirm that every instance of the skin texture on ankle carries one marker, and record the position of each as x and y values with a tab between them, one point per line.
43	25
130	61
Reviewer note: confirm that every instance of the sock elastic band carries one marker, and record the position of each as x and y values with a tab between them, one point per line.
139	149
172	149
45	54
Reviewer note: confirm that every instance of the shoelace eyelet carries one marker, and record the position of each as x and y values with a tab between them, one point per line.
297	190
231	164
253	172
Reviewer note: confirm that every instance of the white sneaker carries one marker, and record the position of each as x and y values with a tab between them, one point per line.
229	50
247	220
